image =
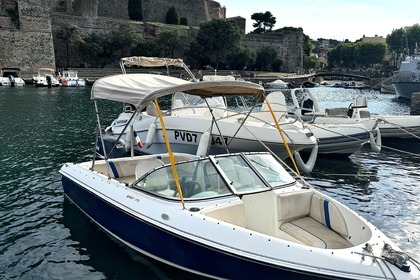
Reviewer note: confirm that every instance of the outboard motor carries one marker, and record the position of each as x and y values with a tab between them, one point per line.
109	141
49	81
12	80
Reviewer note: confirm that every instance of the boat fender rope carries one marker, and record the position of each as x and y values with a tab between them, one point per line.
307	167
376	144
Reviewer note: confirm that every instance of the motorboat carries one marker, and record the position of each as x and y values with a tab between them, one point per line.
45	78
390	127
11	77
387	87
70	78
226	216
407	79
197	124
277	84
193	120
336	132
233	216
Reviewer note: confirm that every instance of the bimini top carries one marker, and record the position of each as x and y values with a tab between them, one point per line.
152	61
140	89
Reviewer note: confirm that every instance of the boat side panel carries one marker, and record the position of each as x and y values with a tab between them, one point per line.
173	249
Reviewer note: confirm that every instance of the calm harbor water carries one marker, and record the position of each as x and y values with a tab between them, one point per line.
43	236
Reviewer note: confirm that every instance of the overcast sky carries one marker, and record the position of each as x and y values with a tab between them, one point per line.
332	19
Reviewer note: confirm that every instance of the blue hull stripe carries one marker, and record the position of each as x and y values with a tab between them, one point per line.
327	214
173	248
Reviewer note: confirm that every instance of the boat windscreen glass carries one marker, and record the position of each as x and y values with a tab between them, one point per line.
270	169
182	100
198	180
240	175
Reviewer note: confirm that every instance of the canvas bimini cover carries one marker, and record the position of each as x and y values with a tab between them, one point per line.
152	61
141	89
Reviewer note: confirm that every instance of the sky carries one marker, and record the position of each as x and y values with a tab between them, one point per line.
331	19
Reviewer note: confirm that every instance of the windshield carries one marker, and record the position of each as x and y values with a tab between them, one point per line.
270	169
182	100
240	175
198	179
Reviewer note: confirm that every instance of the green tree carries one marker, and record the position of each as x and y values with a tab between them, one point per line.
397	40
241	58
71	36
170	42
135	11
356	55
172	16
183	21
218	38
266	55
195	55
368	54
146	48
264	22
121	41
403	40
92	49
307	45
310	62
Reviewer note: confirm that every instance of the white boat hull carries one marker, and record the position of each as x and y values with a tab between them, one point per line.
219	238
185	135
406	89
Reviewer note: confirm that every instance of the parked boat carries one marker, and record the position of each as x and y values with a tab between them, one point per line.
277	84
191	119
70	78
11	77
194	120
390	127
45	78
407	79
335	135
387	87
233	216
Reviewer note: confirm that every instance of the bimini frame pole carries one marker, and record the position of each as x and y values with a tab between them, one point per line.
99	128
282	136
171	155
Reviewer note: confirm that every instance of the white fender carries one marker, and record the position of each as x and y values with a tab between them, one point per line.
376	145
150	135
307	167
203	145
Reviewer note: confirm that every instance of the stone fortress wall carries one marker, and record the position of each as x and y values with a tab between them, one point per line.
29	44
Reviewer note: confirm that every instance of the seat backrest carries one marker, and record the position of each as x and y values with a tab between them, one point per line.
325	212
277	102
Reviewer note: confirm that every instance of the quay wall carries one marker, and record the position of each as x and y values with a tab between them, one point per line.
30	42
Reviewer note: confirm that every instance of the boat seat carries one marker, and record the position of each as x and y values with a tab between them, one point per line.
277	102
310	219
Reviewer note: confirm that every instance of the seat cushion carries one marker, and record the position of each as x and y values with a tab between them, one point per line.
313	233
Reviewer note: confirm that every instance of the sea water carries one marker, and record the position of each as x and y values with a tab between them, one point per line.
44	236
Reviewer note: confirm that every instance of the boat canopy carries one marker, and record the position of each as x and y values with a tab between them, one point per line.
152	61
141	89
